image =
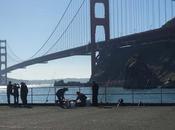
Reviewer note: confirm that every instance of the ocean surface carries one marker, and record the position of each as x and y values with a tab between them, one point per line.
46	94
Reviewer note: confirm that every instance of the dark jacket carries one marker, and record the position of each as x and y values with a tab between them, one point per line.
24	90
81	97
16	90
9	88
60	92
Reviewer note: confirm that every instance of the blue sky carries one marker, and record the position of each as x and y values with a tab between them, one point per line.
26	25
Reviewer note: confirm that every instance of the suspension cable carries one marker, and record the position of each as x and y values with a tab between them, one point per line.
12	58
13	53
66	27
54	29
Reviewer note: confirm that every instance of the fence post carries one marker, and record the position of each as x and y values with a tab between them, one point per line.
161	95
55	94
105	95
31	95
132	96
79	89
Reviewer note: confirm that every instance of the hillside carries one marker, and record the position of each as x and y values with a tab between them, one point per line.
51	81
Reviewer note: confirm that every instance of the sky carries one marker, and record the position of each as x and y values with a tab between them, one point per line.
26	24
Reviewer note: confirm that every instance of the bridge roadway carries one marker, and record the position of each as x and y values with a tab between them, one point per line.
145	38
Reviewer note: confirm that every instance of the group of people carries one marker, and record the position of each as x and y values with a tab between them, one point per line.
81	98
13	90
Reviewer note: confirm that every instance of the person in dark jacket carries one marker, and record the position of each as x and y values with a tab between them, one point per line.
95	88
60	95
16	93
9	91
81	99
24	92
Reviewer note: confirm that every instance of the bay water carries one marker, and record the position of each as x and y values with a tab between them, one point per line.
46	94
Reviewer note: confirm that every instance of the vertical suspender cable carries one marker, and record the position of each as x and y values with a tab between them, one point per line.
113	17
143	5
121	8
171	8
136	13
79	37
131	16
146	11
153	15
140	15
126	19
148	15
165	11
85	23
159	11
82	26
142	18
86	32
118	29
82	16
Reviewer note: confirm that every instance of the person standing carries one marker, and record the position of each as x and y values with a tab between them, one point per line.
16	93
24	92
9	91
95	88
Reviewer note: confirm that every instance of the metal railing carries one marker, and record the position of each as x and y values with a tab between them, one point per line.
46	95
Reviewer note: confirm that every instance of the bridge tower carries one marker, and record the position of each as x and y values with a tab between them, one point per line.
95	21
3	62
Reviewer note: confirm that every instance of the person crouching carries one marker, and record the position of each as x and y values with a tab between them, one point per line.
81	99
60	95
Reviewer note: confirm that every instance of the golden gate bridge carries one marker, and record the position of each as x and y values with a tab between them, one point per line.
92	25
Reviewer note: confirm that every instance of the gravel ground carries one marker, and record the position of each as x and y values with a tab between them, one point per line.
88	118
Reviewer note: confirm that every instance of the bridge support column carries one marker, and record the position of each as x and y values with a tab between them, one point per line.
104	22
3	62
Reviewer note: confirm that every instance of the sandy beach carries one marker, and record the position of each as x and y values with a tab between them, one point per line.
87	118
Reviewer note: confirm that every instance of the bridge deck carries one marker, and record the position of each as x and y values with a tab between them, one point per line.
88	118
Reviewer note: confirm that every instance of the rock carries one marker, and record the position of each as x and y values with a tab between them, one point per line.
138	75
